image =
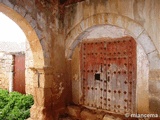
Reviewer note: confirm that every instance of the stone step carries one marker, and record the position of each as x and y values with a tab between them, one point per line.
86	114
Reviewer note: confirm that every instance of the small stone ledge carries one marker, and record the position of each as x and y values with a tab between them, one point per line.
82	113
74	111
88	115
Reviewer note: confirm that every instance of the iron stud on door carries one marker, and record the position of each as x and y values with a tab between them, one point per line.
110	75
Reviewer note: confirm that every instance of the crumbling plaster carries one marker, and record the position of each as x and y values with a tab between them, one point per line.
139	18
51	39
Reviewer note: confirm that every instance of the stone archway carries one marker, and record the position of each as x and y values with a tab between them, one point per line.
29	32
136	30
84	27
23	20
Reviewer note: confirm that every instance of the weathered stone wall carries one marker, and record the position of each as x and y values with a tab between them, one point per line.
154	90
29	74
46	33
144	13
40	15
45	67
6	70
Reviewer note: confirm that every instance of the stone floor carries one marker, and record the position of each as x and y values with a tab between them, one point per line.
71	118
81	113
74	112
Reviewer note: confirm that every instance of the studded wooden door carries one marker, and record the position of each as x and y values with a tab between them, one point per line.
108	71
19	73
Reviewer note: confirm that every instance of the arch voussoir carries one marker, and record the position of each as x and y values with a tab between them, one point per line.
26	23
146	42
133	28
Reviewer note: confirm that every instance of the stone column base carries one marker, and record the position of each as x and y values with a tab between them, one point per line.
40	113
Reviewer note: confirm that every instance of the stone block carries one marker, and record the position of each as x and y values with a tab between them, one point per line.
94	20
4	66
146	43
30	20
154	74
114	19
88	115
100	115
39	33
9	57
74	111
118	119
46	81
29	63
8	3
43	96
72	12
29	89
41	20
73	35
30	6
9	61
154	105
88	9
41	113
154	88
108	117
20	10
85	24
10	68
134	28
154	60
124	22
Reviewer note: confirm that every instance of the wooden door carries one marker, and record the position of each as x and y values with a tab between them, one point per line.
109	75
19	73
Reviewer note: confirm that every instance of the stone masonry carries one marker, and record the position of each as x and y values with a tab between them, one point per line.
6	70
53	35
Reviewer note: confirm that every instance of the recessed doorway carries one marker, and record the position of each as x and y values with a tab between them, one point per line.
108	70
